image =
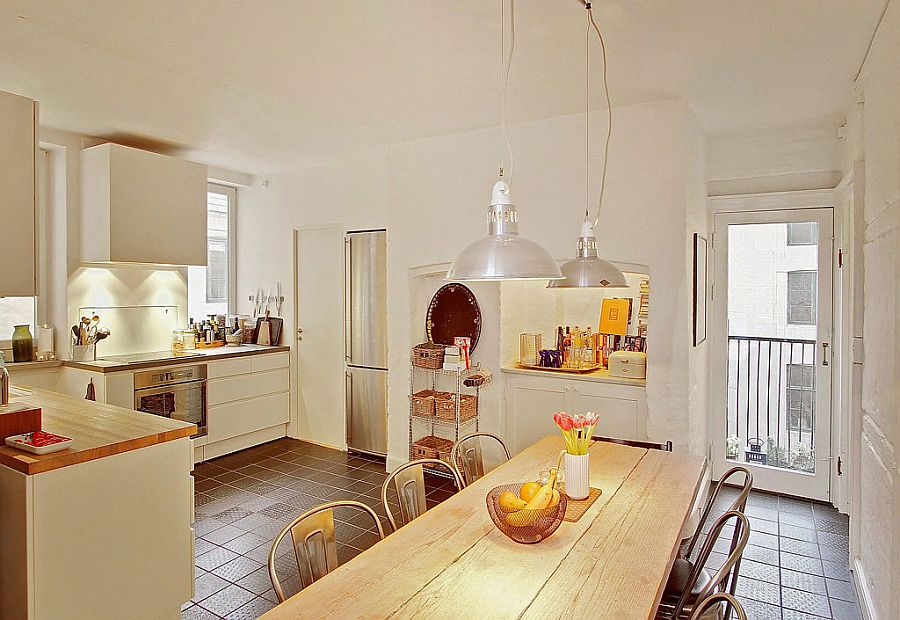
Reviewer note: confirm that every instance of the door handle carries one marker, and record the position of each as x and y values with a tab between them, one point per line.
824	354
299	330
348	400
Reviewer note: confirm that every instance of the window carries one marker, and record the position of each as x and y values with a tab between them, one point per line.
802	233
16	311
801	297
210	288
801	396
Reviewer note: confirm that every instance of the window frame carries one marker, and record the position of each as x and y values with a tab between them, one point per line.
814	297
802	390
231	241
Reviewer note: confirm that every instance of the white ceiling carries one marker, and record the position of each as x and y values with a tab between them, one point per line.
266	86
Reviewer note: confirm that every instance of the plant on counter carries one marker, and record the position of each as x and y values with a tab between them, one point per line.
576	430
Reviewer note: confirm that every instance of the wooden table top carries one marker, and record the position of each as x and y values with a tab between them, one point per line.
452	562
98	429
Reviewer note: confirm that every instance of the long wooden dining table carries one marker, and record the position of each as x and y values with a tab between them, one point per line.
452	562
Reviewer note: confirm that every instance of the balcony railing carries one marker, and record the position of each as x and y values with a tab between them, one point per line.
771	413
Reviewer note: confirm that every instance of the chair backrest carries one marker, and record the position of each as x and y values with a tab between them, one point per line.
313	542
409	481
468	459
716	599
739	504
720	579
649	445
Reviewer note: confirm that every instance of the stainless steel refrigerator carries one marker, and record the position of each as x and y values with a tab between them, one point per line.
365	335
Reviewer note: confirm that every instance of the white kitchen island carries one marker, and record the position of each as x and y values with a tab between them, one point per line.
101	529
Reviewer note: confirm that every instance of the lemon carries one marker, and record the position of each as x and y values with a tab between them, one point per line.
529	490
508	502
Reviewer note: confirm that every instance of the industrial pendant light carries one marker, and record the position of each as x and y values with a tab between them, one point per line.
587	269
503	254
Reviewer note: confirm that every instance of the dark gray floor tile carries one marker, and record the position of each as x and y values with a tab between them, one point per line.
237	568
806	602
758	610
799	547
250	611
840	542
797	533
841	556
245	542
797	519
257	582
759	571
791	614
762	591
833	527
836	570
761	525
201	546
230	515
768	514
207	585
803	581
844	610
195	612
215	558
227	600
797	506
223	534
761	539
801	563
843	590
761	554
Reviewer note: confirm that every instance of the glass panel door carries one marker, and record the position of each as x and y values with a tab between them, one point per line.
774	271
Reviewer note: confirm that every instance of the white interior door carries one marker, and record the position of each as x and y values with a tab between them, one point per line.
772	336
319	334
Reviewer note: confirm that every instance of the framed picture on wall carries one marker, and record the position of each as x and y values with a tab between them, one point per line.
701	285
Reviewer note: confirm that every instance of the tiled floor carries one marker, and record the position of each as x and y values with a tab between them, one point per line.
243	500
795	564
794	568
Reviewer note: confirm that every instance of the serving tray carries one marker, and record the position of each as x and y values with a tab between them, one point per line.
20	443
577	371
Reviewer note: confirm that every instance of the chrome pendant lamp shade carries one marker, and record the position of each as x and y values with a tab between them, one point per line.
587	269
503	254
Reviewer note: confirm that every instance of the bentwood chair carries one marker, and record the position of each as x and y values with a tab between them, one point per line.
739	504
313	542
715	600
409	482
468	458
688	584
648	445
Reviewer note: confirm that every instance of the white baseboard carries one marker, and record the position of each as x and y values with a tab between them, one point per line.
863	595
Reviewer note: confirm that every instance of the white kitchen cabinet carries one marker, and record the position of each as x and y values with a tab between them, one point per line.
142	207
18	199
248	402
531	401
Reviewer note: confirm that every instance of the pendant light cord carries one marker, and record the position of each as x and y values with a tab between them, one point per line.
592	25
505	64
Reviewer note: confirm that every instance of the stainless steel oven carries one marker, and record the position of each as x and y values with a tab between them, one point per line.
177	393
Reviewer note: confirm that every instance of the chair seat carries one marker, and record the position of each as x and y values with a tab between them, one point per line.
678	578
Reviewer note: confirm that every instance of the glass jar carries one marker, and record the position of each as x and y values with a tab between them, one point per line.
22	344
189	339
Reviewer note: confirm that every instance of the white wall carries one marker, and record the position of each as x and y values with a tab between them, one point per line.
432	196
876	138
800	156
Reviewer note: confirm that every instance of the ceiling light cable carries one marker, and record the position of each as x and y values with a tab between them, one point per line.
593	25
505	64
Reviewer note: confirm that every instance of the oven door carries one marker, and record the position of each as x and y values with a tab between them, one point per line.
185	402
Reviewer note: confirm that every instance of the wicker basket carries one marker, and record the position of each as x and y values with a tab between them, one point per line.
431	447
423	403
445	408
428	355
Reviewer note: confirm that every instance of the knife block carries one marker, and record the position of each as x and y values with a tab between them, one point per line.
18	418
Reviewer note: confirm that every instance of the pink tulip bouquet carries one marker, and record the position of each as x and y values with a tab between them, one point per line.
577	430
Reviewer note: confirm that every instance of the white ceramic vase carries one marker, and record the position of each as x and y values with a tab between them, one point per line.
578	478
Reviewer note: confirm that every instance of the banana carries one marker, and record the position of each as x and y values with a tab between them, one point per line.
540	501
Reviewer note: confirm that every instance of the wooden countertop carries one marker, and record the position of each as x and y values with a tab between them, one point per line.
99	430
198	356
452	562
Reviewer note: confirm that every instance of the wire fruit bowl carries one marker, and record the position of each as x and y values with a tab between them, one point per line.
537	524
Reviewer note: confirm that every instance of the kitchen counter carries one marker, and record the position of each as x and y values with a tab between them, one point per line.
598	376
196	356
99	430
36	365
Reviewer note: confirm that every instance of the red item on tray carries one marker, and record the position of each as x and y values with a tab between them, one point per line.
39	439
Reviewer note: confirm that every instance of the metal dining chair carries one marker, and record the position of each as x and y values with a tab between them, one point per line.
739	504
688	584
313	542
467	456
634	443
714	601
409	481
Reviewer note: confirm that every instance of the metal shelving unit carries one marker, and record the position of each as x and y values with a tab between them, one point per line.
432	423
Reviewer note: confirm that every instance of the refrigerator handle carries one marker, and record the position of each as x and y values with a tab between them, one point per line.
348	407
348	303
